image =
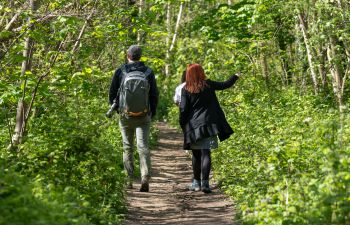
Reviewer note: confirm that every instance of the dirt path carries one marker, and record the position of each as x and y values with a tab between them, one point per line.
169	201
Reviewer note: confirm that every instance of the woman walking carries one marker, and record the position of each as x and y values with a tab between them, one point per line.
202	121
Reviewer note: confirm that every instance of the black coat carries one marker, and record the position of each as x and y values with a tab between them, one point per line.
201	115
135	66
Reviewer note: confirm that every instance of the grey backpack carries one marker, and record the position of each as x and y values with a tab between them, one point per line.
134	93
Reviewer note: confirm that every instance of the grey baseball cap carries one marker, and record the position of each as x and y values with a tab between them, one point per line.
134	51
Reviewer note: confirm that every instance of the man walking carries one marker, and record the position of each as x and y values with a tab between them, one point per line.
135	91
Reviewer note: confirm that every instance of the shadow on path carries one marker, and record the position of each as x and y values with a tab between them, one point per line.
169	201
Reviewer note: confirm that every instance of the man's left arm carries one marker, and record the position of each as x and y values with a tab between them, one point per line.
153	94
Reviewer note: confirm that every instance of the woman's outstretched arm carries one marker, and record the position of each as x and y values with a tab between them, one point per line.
216	85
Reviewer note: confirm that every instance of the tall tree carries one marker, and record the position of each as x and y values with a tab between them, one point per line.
139	32
304	30
167	42
26	67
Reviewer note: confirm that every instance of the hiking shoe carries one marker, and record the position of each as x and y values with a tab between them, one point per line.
144	186
195	186
205	186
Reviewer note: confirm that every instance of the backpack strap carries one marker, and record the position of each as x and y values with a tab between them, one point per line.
148	71
123	69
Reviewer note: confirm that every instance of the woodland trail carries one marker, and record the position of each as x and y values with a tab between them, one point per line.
169	201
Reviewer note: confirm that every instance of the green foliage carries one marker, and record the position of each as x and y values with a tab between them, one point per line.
217	22
284	163
67	153
287	162
19	205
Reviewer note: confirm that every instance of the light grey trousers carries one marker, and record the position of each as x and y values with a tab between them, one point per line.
141	127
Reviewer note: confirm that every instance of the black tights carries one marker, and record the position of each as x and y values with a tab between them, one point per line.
201	164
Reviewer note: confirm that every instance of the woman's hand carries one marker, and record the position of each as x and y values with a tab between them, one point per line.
238	74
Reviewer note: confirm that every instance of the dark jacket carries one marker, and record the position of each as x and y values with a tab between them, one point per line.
201	115
135	66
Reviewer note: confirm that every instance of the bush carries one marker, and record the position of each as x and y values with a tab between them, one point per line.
72	163
285	164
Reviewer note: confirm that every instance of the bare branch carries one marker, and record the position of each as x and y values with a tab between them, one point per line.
10	24
75	47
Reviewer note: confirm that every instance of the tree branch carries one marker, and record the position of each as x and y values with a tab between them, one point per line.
40	79
76	45
47	17
10	24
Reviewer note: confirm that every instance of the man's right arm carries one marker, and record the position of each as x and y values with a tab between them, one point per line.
113	90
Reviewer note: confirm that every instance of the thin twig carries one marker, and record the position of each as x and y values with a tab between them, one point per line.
10	24
48	17
83	29
8	125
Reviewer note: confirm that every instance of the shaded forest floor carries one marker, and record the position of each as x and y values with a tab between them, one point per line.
169	201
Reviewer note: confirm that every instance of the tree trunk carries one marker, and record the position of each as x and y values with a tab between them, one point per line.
322	55
176	27
168	23
344	7
336	72
26	66
81	33
304	31
139	32
18	134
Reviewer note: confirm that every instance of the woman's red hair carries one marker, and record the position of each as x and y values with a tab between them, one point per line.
195	78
